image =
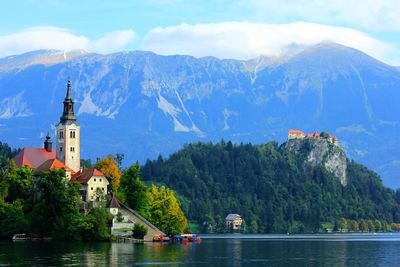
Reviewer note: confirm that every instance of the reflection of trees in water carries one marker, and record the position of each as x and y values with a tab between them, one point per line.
333	251
151	252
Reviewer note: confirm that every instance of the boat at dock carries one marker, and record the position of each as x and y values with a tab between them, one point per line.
29	237
161	238
185	238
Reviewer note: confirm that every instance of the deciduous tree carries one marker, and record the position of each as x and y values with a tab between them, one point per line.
165	211
111	170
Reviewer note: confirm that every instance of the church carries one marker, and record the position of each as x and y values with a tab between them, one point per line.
66	156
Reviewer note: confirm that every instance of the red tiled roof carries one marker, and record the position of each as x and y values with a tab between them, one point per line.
296	132
309	135
33	157
51	164
85	175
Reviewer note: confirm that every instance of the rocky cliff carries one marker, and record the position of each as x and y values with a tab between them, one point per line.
321	152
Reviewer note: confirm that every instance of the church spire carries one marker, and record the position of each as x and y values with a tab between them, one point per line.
68	115
68	89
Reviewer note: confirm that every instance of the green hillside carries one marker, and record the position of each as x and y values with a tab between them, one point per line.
275	189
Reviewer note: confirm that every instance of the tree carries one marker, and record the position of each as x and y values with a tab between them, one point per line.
324	135
100	196
378	225
86	163
343	224
139	231
97	227
12	219
135	190
354	226
364	226
111	170
56	210
17	182
165	211
6	154
119	157
371	226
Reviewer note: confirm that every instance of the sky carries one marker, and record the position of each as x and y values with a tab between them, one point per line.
222	28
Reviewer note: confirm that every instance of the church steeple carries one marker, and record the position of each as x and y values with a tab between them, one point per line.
68	134
68	115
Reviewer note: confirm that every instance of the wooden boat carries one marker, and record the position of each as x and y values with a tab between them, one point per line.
26	237
20	237
161	238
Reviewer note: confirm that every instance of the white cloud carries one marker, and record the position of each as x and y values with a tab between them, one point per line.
243	40
378	15
57	38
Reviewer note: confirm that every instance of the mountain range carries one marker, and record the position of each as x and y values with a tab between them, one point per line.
142	104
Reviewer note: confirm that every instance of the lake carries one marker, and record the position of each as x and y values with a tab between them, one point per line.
214	250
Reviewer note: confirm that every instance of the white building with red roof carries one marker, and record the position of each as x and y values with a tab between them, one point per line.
94	184
66	155
296	134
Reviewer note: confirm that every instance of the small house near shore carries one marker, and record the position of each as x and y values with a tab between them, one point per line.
233	221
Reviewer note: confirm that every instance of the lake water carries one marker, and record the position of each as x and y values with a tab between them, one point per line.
215	250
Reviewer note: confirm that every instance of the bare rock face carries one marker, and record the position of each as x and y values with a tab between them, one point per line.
321	151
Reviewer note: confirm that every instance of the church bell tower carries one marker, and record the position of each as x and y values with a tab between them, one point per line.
68	135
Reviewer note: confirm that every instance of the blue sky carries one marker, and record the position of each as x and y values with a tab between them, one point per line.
225	29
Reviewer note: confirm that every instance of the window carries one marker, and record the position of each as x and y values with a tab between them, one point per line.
91	188
61	134
72	149
95	179
72	134
60	148
100	179
102	188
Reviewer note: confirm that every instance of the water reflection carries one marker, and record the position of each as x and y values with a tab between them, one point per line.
376	251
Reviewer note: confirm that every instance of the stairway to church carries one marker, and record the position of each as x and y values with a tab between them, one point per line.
136	218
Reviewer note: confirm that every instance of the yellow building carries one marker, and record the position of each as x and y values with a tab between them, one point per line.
94	184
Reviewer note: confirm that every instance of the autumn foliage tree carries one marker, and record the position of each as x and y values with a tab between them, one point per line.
110	169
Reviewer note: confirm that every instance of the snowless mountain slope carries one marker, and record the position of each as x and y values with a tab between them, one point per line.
143	104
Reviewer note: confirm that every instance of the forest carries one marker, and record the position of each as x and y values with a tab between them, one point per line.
272	189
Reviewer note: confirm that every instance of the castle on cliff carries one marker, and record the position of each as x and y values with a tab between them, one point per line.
298	134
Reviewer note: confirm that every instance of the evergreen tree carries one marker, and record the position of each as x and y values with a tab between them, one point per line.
135	191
